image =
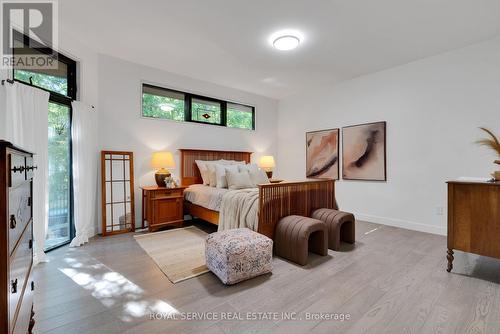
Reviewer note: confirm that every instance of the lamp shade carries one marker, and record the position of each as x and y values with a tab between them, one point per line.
267	161
162	160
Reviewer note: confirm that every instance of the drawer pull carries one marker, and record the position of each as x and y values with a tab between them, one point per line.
13	285
32	285
13	222
30	244
19	169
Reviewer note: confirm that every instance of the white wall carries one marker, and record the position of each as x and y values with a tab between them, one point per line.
4	74
123	128
432	107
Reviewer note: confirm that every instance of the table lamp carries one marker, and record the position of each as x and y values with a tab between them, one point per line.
161	161
267	163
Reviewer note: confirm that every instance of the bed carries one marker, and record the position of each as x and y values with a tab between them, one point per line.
276	200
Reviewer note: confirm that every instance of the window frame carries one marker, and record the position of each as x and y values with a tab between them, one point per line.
70	63
58	98
188	99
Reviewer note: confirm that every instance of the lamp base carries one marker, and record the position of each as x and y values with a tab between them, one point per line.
160	177
269	174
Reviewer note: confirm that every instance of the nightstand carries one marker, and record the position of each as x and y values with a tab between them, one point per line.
162	207
275	180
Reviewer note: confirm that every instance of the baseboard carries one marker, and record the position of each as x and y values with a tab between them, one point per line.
409	225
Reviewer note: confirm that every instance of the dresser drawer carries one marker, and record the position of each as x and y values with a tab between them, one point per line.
20	264
19	212
17	169
167	193
24	317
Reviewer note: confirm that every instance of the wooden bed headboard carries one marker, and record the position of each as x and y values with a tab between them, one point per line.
190	174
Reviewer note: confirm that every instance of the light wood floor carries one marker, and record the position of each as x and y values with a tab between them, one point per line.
392	281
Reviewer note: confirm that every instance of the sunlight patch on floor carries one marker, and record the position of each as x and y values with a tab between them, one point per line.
373	230
112	288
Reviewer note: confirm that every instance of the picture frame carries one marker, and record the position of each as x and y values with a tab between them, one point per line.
364	152
323	154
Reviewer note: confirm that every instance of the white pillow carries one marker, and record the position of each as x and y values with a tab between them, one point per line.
257	175
248	167
220	174
212	179
238	180
203	167
203	171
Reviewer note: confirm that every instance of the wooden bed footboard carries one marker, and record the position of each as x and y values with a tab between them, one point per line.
277	200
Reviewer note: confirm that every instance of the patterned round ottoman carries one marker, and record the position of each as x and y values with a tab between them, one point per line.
239	254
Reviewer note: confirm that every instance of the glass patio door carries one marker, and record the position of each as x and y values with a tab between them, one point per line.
59	227
60	82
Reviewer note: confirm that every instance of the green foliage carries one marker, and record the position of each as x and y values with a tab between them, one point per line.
151	107
59	135
239	119
52	83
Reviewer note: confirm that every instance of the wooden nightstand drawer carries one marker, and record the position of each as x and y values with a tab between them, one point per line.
168	193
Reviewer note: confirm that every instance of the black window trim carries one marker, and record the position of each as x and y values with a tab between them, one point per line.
60	99
188	97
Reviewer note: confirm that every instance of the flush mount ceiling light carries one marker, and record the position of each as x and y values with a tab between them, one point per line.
287	42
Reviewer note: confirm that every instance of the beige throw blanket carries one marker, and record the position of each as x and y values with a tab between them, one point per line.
239	208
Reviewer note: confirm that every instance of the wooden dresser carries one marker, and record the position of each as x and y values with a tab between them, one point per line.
473	219
16	239
162	206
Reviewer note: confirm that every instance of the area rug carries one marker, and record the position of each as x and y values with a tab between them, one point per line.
180	253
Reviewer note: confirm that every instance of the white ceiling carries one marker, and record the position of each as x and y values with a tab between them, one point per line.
226	41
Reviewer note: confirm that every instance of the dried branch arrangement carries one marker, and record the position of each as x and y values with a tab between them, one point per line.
491	142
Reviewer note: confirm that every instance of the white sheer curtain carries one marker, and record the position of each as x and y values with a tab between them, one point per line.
85	165
26	125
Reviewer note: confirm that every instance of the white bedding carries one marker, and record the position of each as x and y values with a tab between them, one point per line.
205	196
237	208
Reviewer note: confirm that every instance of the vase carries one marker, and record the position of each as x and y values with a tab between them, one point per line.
496	175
